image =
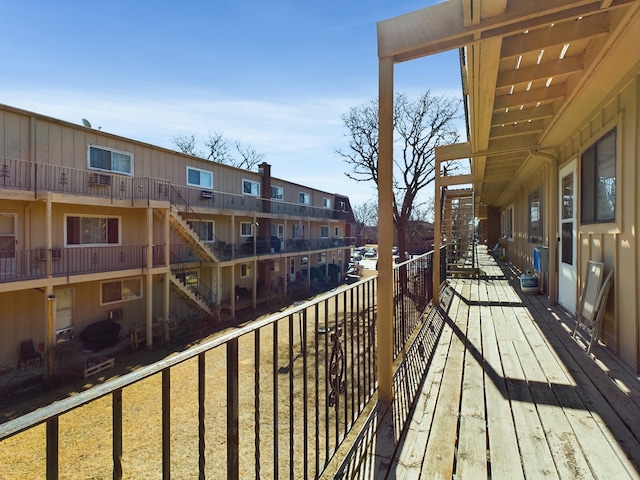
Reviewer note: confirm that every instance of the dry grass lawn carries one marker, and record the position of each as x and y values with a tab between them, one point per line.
85	433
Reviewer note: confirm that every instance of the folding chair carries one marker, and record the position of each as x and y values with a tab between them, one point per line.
593	301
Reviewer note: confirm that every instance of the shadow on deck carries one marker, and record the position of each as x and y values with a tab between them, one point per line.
494	377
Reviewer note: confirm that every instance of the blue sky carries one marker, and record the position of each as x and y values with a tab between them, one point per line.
276	75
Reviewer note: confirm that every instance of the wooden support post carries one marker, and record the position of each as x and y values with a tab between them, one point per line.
385	231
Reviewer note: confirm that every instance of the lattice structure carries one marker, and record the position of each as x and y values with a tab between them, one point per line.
458	231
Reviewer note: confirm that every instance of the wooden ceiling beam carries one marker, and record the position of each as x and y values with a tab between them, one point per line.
559	34
542	71
522	128
517	115
441	27
530	97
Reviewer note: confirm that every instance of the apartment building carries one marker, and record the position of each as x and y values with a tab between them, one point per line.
95	226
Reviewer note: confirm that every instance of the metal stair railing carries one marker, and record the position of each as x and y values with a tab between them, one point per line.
197	287
177	200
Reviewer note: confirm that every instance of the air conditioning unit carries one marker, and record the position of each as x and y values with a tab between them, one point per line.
100	179
206	194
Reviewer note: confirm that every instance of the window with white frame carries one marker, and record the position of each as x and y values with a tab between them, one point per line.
277	193
324	231
114	291
246	229
110	160
598	181
90	230
326	202
305	198
322	258
249	187
199	178
205	229
276	266
245	270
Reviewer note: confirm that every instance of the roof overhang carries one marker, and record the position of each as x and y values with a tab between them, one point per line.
532	72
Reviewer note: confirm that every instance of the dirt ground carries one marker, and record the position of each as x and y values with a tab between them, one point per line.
85	433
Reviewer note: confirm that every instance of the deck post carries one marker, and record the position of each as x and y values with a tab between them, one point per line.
385	231
437	239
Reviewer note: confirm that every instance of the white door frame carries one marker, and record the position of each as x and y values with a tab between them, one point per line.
567	238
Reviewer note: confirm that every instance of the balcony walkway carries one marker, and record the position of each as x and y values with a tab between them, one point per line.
507	393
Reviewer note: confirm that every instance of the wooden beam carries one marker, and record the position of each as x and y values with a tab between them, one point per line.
517	115
540	72
566	32
455	151
511	129
440	27
456	180
522	142
530	97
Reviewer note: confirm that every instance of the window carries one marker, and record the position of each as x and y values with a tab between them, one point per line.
204	229
277	193
120	290
305	198
245	270
343	206
324	231
598	181
246	229
322	258
336	231
276	266
103	158
249	187
507	223
326	202
92	230
199	178
535	216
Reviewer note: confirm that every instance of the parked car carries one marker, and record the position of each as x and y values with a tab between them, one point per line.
370	253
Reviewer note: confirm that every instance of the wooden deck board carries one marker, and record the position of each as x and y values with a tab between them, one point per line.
510	395
439	456
472	444
502	440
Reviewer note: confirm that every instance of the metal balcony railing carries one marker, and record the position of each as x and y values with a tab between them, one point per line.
298	380
40	177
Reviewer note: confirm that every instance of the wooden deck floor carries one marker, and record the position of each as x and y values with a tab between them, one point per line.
506	393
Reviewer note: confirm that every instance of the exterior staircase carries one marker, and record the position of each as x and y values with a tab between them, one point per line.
180	226
189	286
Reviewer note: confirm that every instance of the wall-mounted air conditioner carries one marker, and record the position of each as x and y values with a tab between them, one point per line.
100	179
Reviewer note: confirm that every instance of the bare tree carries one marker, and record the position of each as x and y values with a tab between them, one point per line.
249	158
419	127
218	150
366	215
187	144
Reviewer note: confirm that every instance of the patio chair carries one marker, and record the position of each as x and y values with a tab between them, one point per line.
28	353
593	301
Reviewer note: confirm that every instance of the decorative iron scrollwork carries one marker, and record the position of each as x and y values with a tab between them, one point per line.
4	172
336	368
